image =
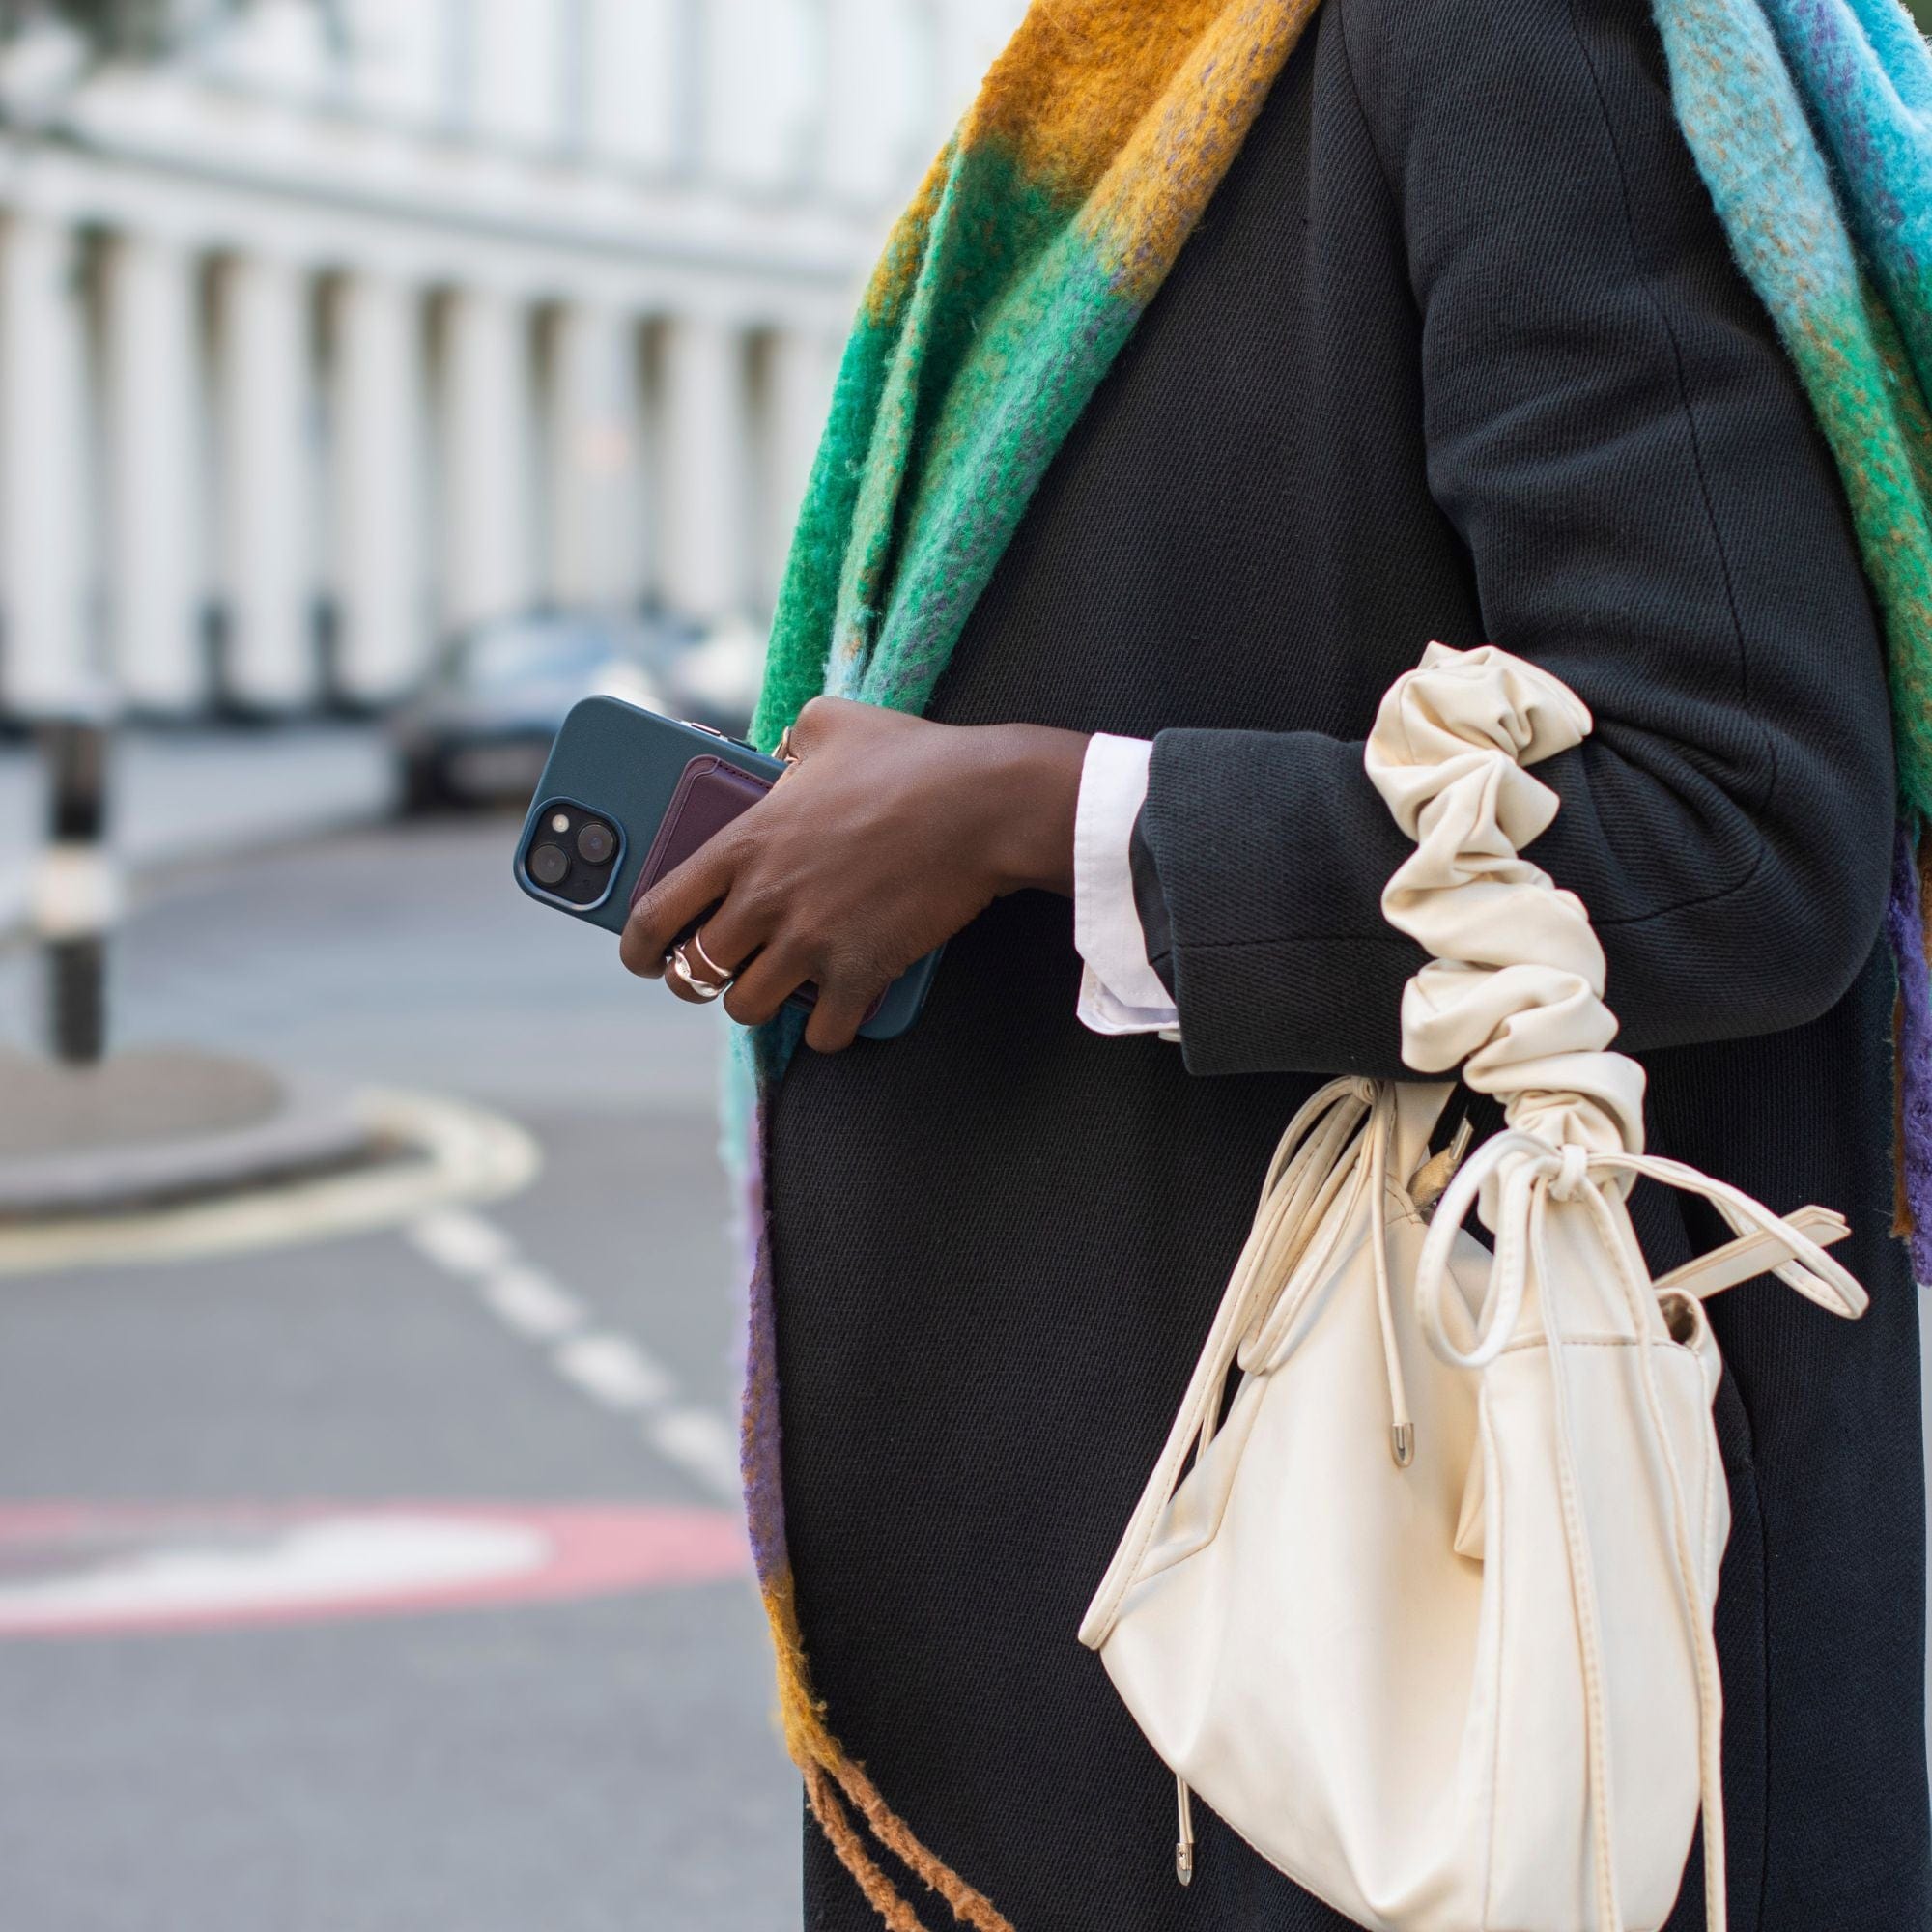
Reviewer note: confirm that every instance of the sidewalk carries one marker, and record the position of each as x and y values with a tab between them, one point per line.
192	794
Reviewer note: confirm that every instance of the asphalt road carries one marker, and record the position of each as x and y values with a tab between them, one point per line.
508	1741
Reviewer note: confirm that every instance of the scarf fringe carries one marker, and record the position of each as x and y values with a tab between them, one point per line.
832	1780
844	1838
831	1776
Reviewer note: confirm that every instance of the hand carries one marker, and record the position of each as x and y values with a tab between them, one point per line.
889	835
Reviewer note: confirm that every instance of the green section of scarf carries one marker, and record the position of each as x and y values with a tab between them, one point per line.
1007	289
1032	247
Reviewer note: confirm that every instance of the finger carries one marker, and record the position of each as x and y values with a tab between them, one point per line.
818	721
732	935
766	985
675	902
837	1018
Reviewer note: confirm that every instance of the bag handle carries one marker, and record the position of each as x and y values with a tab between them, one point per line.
1316	1158
1512	993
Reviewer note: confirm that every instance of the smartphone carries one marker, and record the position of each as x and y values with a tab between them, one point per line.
625	796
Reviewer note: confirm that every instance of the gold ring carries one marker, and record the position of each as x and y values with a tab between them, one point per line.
784	752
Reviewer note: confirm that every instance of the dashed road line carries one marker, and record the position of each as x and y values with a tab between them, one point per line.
613	1371
462	1242
698	1439
529	1301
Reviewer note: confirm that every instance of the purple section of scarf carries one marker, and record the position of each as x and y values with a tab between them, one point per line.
760	1458
758	1442
1905	924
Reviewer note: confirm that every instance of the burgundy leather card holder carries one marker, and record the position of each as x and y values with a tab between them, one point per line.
710	794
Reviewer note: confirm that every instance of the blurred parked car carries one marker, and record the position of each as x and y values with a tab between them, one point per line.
479	729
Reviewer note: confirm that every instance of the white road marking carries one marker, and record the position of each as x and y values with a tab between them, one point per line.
700	1441
462	1242
340	1559
529	1301
614	1371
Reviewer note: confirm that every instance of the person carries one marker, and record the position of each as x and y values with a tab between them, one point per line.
1456	348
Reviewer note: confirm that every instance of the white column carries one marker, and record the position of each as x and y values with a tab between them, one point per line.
707	513
690	63
153	482
878	116
595	425
379	422
268	551
800	372
637	94
517	70
762	89
486	454
44	659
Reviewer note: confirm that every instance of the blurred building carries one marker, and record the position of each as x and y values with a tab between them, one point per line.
327	329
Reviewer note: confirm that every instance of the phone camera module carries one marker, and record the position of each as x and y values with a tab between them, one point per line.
595	843
549	864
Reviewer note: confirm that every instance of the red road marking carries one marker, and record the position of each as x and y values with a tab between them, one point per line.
75	1568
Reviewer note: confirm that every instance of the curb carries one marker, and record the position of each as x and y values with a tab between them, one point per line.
446	1150
155	1125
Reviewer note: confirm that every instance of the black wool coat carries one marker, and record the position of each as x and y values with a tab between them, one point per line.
1458	352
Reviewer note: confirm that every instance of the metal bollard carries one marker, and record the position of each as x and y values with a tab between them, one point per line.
76	890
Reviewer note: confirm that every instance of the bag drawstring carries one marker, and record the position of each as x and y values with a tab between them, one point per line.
1381	1130
1532	1173
1583	1596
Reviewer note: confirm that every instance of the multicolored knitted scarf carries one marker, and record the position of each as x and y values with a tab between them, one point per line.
1032	248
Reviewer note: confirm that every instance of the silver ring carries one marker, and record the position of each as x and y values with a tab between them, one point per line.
679	968
717	972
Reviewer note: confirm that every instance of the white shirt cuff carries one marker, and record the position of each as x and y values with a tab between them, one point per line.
1120	992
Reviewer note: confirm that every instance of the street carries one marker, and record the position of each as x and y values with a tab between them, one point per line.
395	1582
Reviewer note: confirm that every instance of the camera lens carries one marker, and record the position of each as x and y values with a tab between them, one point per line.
548	865
595	843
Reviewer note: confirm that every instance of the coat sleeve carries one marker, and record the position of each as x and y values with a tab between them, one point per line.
1648	512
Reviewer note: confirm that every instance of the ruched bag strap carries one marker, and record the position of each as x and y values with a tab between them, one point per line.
1514	992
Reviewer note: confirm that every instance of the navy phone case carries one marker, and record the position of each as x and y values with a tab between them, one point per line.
627	765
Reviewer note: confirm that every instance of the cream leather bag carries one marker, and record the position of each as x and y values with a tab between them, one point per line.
1427	1619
